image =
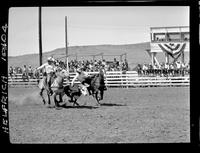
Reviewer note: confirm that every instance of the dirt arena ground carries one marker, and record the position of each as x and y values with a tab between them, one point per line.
139	115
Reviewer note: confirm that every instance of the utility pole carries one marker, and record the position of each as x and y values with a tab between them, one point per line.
66	43
40	35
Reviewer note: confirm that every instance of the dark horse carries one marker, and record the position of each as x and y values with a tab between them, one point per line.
96	86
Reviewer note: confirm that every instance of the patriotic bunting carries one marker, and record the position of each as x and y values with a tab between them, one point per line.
173	49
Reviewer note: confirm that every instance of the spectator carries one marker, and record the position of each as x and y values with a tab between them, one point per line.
25	73
178	66
166	69
30	72
144	69
11	71
183	67
14	72
139	69
171	69
36	74
126	64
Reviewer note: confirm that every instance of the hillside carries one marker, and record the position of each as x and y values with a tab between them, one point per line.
136	53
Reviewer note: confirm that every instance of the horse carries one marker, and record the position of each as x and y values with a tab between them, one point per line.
96	87
56	86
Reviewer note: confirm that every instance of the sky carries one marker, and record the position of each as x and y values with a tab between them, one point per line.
88	26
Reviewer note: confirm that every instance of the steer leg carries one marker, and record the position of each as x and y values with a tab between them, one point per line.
75	102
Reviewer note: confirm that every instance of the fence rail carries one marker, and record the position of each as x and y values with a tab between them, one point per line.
115	79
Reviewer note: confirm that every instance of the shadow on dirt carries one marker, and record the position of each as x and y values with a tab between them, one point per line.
79	107
112	104
89	107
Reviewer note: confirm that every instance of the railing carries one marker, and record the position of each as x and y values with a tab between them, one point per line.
116	79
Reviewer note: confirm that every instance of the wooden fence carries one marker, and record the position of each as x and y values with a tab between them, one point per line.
116	79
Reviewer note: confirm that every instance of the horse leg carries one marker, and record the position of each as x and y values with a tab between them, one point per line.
49	100
55	100
41	94
101	93
97	98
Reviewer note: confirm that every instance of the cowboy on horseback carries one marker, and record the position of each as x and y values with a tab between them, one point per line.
48	71
83	77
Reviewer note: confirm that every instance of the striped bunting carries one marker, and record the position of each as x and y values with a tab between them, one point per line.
173	49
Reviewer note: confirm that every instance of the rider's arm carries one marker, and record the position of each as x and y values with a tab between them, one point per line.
41	67
73	80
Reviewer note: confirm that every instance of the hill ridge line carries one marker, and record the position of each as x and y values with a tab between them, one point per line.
101	45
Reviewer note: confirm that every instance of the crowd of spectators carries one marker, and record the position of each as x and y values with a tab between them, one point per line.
28	72
163	69
95	65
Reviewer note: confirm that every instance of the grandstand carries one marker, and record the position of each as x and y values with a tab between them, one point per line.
172	41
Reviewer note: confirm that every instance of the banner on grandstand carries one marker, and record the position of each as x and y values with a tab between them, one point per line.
173	49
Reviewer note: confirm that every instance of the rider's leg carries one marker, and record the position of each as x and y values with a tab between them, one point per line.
49	84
